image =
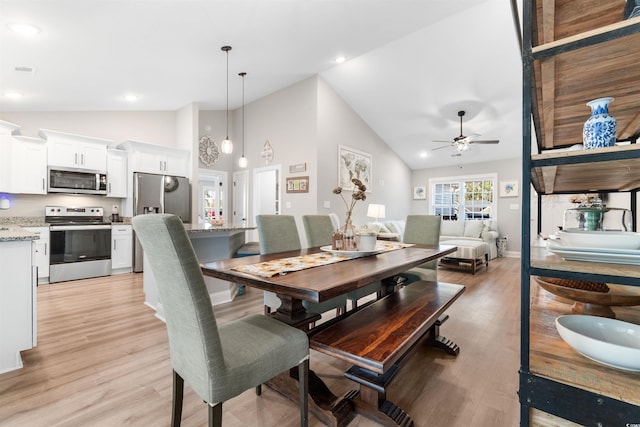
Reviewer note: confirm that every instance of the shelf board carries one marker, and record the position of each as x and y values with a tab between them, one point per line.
569	70
552	358
603	169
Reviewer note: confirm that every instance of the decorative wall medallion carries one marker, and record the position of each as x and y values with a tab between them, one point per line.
267	152
208	151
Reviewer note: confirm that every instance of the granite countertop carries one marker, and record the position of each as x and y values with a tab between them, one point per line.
12	233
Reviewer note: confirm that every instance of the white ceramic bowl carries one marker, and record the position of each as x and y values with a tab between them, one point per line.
600	239
608	341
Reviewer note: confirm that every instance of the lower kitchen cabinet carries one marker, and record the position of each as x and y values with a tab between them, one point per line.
17	303
121	248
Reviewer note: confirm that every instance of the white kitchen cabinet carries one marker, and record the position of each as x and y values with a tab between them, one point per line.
17	303
41	252
23	165
116	173
76	151
121	248
151	158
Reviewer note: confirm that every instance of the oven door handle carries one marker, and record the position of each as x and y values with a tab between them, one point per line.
78	227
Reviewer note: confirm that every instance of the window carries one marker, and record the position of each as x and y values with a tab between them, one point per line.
463	197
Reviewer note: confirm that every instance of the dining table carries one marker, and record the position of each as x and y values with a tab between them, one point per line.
317	284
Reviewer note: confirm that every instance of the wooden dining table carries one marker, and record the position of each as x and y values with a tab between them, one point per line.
320	284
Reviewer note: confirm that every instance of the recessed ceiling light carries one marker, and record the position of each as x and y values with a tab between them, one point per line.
131	97
13	95
423	155
340	59
24	29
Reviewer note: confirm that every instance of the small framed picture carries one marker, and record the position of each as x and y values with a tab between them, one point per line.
508	188
420	193
298	184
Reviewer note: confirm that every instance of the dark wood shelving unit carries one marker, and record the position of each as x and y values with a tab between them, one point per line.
573	52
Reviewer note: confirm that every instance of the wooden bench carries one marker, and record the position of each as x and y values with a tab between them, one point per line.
377	338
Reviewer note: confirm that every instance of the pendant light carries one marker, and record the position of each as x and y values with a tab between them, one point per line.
227	146
243	162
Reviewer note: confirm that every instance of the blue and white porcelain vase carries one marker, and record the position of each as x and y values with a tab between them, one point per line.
600	129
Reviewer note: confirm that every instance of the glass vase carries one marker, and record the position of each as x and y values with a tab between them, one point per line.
349	235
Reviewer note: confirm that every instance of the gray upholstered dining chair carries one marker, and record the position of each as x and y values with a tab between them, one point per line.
279	233
318	229
425	230
218	362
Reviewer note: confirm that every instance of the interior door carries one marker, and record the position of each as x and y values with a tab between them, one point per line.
241	198
266	193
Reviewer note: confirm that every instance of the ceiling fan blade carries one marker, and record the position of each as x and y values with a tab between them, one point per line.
441	141
444	146
488	141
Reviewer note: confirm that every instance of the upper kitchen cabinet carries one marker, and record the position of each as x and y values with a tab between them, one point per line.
116	173
23	163
76	151
152	158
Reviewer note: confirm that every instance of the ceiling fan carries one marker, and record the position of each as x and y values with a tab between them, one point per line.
461	143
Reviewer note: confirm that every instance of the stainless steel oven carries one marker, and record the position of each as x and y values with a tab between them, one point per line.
80	242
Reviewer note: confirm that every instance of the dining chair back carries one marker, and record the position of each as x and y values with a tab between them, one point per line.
424	230
218	362
318	229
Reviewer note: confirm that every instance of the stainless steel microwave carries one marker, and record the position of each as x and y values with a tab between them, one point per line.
82	181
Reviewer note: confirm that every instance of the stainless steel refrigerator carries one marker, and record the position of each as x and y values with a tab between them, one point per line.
159	194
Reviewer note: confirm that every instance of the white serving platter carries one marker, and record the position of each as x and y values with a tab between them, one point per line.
353	254
608	256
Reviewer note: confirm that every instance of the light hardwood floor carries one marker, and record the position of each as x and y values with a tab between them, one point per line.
102	360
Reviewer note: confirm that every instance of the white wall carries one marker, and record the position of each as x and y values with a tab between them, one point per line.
509	219
338	125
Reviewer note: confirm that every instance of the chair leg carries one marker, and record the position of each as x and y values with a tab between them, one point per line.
303	380
215	415
258	389
178	391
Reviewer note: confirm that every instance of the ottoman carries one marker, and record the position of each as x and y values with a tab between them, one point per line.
469	256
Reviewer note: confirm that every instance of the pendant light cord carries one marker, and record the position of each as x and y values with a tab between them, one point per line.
243	74
227	94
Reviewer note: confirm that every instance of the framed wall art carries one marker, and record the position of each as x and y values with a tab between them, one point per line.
508	188
298	184
420	193
353	163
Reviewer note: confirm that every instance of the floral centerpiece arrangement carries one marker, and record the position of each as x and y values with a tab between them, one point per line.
347	239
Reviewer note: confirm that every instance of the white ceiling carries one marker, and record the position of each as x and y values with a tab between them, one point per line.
412	64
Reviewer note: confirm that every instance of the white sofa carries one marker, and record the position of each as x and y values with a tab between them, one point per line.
483	230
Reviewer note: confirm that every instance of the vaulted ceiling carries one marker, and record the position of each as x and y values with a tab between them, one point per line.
411	65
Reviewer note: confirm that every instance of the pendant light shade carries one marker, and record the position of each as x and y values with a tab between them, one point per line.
227	146
243	162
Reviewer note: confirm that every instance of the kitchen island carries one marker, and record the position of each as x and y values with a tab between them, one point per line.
211	243
17	296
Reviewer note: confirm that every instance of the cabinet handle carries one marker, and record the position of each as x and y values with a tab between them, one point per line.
115	245
161	165
75	158
109	187
43	188
45	249
82	159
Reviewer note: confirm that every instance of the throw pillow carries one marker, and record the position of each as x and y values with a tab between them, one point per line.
451	228
473	228
392	227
